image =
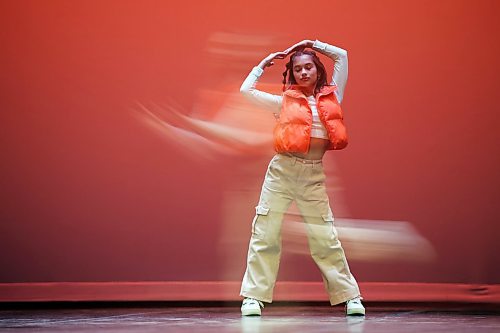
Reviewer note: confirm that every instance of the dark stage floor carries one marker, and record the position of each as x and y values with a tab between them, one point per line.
276	318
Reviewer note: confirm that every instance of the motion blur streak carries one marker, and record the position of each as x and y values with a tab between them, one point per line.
229	125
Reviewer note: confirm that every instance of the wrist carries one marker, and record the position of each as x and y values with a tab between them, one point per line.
319	46
257	71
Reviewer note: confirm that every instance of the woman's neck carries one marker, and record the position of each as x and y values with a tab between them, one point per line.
307	92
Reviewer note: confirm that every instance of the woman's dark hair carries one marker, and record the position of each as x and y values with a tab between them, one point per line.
320	83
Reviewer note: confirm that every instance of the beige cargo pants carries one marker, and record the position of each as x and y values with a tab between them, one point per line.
289	178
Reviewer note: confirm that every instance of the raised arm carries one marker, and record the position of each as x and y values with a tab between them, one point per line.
339	57
261	98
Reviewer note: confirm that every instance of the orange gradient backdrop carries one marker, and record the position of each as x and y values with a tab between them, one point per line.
88	193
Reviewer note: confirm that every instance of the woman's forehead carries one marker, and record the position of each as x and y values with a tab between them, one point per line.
302	59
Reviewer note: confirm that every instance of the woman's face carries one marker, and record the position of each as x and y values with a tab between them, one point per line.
304	71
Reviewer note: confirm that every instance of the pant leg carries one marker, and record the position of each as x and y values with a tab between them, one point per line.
265	244
326	249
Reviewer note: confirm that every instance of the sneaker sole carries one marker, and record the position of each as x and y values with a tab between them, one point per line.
251	312
356	312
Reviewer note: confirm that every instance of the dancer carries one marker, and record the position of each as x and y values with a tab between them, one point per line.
309	123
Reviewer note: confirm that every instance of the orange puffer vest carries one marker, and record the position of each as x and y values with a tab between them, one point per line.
292	132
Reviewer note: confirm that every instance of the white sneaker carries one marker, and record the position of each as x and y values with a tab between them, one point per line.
353	307
251	307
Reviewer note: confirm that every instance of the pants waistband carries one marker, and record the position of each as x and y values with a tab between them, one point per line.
295	159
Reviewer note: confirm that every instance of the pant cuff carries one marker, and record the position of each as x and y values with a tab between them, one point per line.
257	297
344	296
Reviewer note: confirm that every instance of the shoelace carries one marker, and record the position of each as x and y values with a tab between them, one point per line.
251	300
356	300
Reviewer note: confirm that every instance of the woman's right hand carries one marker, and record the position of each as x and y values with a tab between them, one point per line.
268	61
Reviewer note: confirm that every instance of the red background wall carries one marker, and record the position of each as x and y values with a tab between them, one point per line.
90	194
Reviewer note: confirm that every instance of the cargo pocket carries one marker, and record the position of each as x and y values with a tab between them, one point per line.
259	224
328	218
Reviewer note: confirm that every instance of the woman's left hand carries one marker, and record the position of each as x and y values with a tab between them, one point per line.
300	45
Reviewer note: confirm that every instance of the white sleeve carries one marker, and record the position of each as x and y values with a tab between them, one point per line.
261	98
339	57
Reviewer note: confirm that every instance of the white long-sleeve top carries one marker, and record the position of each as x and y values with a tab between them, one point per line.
273	102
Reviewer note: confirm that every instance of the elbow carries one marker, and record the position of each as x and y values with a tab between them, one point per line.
245	91
343	54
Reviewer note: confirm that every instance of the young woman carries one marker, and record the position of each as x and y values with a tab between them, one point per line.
309	122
